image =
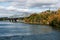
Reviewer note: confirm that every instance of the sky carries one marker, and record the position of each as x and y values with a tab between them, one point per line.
13	7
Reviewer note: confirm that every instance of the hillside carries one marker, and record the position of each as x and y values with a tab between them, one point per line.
46	18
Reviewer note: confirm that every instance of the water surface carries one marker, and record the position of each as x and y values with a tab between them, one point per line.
22	31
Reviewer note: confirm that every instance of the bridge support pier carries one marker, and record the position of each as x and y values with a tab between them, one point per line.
13	20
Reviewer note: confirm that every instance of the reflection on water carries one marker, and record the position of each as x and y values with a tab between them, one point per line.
12	29
39	29
23	29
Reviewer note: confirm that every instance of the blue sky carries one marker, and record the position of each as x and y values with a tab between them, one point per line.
11	7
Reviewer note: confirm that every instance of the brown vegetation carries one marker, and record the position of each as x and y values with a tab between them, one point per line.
47	18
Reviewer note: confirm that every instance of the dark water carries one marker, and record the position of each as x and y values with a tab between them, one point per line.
21	31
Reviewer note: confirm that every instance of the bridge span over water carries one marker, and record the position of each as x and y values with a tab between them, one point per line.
15	19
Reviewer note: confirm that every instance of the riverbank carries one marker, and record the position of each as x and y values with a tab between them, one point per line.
48	17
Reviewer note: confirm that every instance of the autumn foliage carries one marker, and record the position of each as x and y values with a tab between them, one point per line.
47	18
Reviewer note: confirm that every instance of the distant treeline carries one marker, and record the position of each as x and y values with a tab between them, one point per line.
46	18
3	18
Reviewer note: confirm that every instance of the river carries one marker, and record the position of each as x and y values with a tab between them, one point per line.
22	31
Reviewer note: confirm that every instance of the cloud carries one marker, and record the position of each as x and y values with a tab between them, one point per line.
5	15
23	10
23	6
10	8
49	6
32	3
2	0
2	7
19	4
58	5
12	0
42	1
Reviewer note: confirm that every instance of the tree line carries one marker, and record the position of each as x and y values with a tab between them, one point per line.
47	17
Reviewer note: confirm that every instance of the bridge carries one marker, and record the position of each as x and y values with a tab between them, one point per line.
20	19
15	19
